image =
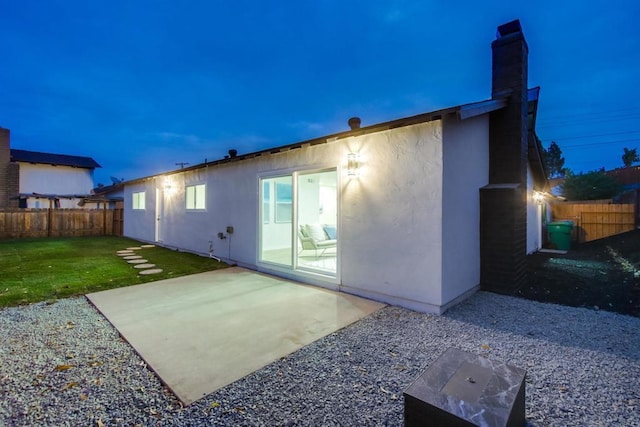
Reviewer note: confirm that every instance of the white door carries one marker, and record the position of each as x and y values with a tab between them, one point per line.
159	214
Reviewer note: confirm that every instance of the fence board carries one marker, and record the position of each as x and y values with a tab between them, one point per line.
596	220
20	223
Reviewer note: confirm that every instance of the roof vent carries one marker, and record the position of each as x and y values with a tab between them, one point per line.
233	153
354	123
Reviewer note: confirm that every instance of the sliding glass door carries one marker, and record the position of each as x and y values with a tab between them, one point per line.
276	237
299	221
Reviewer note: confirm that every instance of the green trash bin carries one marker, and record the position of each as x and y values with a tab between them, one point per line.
560	234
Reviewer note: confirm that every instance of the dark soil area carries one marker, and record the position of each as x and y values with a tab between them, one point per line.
602	275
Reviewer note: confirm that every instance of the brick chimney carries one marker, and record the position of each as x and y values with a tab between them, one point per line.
503	203
8	172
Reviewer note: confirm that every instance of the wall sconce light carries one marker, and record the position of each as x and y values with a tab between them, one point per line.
538	198
352	164
167	185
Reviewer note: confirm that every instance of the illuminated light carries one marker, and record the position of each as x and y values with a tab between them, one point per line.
538	198
352	164
168	188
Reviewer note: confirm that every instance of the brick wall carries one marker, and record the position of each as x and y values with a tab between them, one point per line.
503	203
503	231
9	173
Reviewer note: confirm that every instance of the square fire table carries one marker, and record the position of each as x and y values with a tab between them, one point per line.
464	389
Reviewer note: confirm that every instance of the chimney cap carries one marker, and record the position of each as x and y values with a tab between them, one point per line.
512	27
233	153
354	123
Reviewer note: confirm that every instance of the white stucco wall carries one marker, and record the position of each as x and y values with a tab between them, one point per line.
465	170
534	217
49	179
140	223
408	223
392	217
389	221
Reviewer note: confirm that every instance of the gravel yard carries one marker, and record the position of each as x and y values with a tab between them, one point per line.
63	364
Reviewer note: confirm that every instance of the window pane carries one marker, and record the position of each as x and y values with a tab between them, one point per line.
276	236
201	197
266	201
138	200
284	197
317	202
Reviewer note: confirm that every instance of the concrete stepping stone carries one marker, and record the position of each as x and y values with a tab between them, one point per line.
123	254
147	246
144	265
132	257
137	261
151	271
134	248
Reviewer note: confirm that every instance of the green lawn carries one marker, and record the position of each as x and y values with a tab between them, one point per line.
33	270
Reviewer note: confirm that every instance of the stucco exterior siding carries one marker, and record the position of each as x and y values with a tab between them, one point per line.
48	179
392	216
465	171
389	217
140	223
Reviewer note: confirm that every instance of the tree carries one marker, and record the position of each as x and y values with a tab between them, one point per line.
553	160
593	185
630	156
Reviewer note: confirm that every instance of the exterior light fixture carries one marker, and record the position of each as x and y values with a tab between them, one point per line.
167	185
538	197
352	164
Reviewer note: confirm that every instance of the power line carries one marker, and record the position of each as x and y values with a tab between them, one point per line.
595	119
600	143
633	110
595	135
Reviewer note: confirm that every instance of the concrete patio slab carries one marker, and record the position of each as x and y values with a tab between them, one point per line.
204	331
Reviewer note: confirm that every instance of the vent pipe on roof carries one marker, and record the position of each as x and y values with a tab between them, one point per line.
354	123
233	153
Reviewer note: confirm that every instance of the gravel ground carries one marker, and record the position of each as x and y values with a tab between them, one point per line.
64	364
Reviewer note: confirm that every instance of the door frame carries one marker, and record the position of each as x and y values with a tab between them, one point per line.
307	275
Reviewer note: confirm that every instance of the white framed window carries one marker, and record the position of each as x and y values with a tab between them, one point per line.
266	202
138	200
196	197
284	202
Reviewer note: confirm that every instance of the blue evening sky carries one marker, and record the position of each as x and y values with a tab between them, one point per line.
142	85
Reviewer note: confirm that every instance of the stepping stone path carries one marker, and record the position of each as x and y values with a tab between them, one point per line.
129	255
144	265
152	271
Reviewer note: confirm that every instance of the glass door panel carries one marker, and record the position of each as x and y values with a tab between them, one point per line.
317	221
276	196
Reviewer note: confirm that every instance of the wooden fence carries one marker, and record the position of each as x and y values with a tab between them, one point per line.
18	223
596	220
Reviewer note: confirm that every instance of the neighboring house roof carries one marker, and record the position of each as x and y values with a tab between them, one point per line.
628	176
53	159
463	112
108	189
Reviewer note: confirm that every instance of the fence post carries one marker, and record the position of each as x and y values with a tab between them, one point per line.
49	216
104	219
